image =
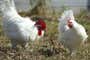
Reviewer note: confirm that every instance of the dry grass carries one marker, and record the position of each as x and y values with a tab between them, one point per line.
49	48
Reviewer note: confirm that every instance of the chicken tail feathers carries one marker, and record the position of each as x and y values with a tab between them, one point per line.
6	4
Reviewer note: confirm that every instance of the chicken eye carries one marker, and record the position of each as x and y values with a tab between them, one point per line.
39	26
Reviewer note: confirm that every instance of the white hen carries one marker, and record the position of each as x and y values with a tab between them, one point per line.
19	29
72	34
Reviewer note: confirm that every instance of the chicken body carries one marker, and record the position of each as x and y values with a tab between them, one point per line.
71	33
19	29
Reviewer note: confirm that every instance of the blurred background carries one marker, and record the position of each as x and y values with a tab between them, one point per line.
50	8
76	5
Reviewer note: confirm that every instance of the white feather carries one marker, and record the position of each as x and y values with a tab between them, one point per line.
71	37
19	29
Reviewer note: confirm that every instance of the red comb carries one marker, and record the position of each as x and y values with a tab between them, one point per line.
41	23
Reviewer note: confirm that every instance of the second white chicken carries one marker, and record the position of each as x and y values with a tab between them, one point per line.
71	33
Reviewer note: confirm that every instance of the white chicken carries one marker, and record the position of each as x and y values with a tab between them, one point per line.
71	33
20	29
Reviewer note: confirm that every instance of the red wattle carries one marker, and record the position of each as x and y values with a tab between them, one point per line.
39	32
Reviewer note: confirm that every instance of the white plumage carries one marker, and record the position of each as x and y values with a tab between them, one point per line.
72	34
19	29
